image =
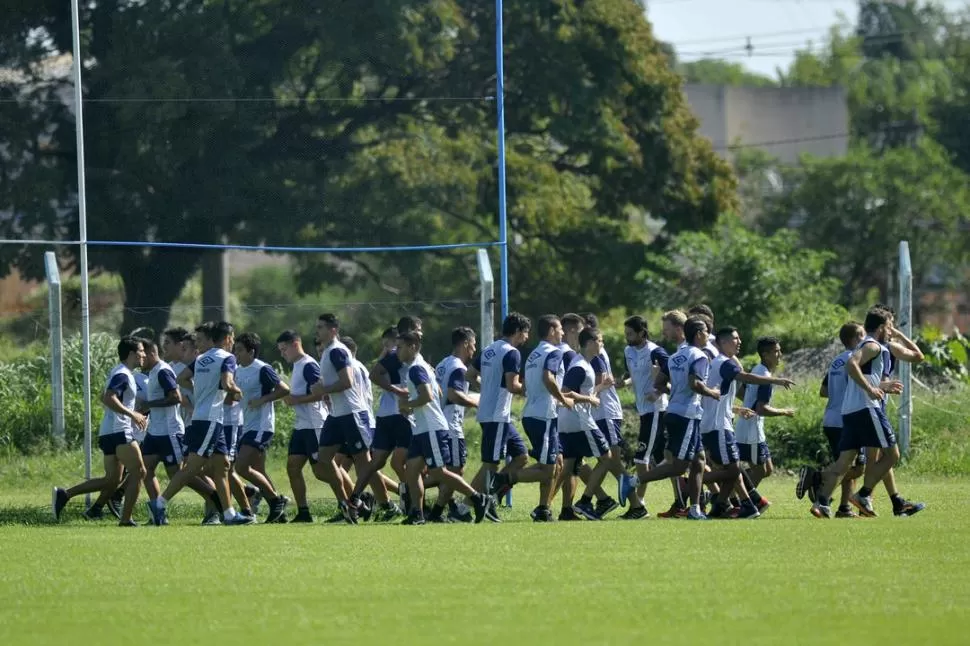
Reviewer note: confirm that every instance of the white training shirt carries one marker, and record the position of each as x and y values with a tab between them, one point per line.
164	420
121	381
451	372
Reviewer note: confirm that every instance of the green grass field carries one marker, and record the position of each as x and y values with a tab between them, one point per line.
783	579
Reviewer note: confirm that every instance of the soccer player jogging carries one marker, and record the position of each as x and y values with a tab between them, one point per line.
165	441
498	366
211	379
540	417
578	432
309	415
644	359
392	434
864	421
688	370
347	428
452	377
751	431
261	387
430	440
833	391
116	439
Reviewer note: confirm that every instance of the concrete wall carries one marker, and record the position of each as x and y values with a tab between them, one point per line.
785	122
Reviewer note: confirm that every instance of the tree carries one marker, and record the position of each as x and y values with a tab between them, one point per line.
860	206
718	72
332	135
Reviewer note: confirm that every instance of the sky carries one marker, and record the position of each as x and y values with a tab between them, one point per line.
719	28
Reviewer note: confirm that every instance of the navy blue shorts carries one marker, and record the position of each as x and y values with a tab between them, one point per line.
721	446
754	454
349	432
259	440
170	449
459	452
543	434
611	430
305	442
434	447
868	427
584	444
231	441
500	439
392	432
204	438
834	437
650	442
683	436
109	443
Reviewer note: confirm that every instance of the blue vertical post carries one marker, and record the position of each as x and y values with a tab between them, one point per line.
503	229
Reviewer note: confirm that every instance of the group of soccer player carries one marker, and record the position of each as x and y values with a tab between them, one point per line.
202	404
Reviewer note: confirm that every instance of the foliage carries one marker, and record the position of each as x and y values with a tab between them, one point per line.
947	357
747	279
718	72
341	125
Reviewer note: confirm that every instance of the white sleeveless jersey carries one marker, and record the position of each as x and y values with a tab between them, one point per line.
207	392
579	379
164	420
451	372
428	418
539	403
610	407
334	358
495	403
121	381
639	363
836	380
856	399
688	360
363	385
717	414
752	431
256	380
306	372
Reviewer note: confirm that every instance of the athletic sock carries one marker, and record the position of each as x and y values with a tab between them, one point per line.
755	496
587	500
229	514
845	508
897	501
865	492
437	511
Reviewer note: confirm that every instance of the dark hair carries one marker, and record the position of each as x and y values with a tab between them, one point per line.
389	333
692	326
848	333
515	323
408	324
250	341
190	338
410	338
708	321
638	324
289	336
875	318
350	343
143	333
590	319
150	346
461	334
220	331
884	307
701	309
330	320
588	334
127	345
176	334
726	331
545	324
766	343
572	321
204	329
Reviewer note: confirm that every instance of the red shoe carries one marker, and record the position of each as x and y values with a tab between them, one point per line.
673	512
763	505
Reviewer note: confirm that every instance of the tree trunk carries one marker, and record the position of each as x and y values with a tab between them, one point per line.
152	281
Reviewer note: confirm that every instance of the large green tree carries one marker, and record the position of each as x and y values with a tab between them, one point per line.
354	123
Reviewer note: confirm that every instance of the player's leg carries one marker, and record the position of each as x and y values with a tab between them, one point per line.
129	455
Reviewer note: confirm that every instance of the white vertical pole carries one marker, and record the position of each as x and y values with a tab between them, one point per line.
83	234
905	315
486	284
57	346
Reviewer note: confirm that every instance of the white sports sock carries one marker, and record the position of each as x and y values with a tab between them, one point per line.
229	514
696	509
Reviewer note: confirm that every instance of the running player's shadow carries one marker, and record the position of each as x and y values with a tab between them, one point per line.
26	515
